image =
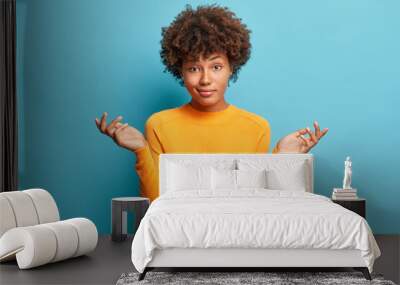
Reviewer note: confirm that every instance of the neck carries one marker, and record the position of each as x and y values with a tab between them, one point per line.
220	106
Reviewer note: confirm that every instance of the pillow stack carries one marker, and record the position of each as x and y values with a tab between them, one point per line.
281	174
238	174
194	175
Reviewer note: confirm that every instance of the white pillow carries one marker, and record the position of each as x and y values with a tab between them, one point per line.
251	178
236	179
181	178
204	162
223	179
282	174
289	179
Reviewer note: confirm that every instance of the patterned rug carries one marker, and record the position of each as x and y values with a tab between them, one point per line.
270	278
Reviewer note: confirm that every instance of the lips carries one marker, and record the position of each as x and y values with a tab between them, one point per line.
205	93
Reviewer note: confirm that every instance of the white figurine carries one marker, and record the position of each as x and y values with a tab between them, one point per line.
347	174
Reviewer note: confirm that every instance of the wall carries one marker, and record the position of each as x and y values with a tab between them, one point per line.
336	62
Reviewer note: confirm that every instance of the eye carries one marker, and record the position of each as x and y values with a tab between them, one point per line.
217	67
193	69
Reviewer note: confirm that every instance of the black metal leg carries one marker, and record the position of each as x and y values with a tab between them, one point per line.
143	274
364	271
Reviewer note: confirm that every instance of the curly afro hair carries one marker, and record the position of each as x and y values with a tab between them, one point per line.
208	29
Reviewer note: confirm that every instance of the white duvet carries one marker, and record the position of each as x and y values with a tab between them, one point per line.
250	218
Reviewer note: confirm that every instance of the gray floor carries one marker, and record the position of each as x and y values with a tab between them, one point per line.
110	260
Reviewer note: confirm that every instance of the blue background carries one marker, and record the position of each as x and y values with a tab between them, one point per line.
336	62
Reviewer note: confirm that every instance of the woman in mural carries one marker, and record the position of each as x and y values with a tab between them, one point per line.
203	49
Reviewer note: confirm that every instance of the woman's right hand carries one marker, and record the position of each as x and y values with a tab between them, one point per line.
123	135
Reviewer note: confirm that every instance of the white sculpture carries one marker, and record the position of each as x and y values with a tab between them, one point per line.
347	174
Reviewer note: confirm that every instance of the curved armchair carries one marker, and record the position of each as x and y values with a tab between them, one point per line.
31	231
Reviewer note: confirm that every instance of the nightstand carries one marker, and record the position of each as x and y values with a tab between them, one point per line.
358	205
119	208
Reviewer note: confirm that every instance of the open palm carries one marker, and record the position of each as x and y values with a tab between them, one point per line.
124	135
297	143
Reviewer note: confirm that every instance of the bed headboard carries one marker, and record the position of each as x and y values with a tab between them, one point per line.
210	159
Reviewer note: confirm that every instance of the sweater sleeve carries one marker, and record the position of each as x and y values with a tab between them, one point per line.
147	163
265	139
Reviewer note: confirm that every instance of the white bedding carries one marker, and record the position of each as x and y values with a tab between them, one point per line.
250	218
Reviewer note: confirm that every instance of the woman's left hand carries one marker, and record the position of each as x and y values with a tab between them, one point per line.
297	143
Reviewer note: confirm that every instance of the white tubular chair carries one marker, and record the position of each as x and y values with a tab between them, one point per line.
32	233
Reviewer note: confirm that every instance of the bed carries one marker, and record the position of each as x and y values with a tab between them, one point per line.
247	210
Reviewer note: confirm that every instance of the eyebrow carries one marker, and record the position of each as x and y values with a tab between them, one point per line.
214	57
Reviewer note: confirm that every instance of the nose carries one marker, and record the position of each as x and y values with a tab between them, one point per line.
205	78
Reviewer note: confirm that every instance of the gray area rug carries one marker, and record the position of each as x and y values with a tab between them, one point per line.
229	278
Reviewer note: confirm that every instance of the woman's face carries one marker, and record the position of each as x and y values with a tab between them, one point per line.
206	81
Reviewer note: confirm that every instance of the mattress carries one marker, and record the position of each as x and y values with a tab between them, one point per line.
250	219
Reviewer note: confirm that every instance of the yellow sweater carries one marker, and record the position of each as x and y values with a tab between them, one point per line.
187	130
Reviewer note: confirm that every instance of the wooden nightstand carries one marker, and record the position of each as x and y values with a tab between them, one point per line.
357	206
